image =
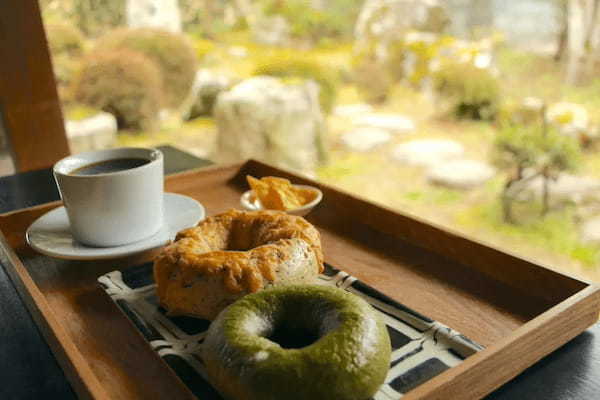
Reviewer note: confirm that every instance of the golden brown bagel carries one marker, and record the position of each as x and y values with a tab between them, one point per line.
232	254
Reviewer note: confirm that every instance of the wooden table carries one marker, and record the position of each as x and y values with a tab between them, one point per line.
28	368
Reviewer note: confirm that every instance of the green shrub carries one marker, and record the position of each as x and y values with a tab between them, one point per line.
95	17
371	77
298	66
64	39
123	83
334	21
473	92
173	54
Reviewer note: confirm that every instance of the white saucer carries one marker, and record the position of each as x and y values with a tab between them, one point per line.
50	234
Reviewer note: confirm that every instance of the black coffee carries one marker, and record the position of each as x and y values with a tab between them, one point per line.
108	166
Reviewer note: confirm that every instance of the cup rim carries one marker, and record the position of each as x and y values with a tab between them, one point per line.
153	155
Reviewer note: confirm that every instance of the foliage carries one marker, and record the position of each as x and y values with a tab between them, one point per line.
203	47
64	39
78	112
95	17
533	151
371	77
336	20
65	70
173	54
300	66
473	92
124	83
529	147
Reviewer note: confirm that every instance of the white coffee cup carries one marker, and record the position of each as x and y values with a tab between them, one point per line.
113	208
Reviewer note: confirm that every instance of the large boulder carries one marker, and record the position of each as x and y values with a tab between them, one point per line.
161	14
265	118
205	90
385	20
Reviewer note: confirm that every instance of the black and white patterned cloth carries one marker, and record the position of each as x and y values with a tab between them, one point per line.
421	348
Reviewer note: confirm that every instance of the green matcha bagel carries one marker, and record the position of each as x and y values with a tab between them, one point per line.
300	342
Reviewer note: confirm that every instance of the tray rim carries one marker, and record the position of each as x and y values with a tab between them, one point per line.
86	384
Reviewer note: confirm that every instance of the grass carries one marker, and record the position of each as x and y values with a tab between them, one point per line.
556	232
196	136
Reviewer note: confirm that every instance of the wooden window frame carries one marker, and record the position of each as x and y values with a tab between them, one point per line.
29	103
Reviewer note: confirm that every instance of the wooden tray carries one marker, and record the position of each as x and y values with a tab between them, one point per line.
519	310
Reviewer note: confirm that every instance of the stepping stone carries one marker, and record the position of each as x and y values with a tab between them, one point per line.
566	188
461	174
394	123
590	231
427	152
352	110
365	139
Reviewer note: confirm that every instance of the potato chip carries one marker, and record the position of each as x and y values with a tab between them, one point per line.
278	193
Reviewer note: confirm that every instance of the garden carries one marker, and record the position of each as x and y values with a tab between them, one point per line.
385	99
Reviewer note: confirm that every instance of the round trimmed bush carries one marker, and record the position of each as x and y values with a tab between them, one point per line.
473	92
304	68
172	53
123	83
371	77
64	39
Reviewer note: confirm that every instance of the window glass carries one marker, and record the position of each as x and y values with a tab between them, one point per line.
479	115
6	163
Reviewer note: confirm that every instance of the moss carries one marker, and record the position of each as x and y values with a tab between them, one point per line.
123	83
290	65
556	232
173	54
203	47
80	112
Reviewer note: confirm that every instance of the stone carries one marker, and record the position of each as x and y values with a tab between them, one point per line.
365	139
265	118
161	14
93	133
569	118
461	174
393	123
271	31
566	188
352	110
205	90
385	20
427	152
590	231
238	51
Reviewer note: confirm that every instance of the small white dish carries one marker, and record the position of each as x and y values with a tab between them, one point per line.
50	234
250	202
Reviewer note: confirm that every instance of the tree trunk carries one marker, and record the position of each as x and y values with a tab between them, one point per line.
583	38
546	191
564	29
